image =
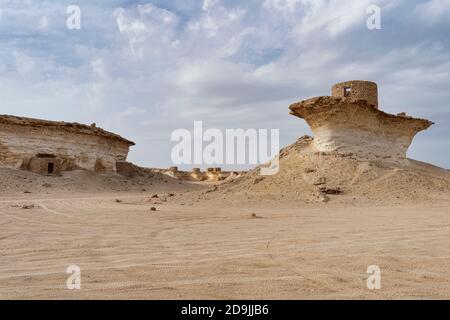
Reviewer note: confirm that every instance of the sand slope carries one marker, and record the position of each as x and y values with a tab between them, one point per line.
311	176
14	181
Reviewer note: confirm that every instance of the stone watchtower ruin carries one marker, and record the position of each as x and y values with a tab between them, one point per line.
357	90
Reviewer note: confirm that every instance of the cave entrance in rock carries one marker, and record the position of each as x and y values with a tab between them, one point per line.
50	168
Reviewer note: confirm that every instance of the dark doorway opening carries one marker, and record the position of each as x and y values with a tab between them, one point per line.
51	166
347	91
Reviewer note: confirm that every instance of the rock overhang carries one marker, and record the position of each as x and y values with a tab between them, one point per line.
73	127
355	126
327	105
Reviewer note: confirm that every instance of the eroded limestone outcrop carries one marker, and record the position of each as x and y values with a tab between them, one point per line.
349	122
357	155
51	147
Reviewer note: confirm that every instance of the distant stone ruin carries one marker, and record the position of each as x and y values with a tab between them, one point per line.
350	123
210	175
49	147
357	90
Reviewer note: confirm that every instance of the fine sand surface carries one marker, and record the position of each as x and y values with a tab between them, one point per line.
212	249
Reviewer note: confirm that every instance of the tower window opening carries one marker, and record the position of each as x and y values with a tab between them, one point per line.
347	91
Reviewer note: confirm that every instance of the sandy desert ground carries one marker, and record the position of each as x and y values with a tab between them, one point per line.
211	250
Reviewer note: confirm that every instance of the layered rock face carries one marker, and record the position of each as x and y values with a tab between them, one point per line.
73	145
349	122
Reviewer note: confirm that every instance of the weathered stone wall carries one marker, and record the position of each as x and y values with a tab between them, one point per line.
126	169
77	146
357	89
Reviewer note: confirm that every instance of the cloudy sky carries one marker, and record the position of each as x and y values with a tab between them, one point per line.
145	68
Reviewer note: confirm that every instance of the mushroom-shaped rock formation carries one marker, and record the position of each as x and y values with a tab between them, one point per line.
349	122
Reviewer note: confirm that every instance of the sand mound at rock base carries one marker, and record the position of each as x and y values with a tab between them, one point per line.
311	176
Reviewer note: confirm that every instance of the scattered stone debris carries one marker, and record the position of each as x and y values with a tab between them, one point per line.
258	180
211	190
24	206
171	195
320	181
155	196
327	190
